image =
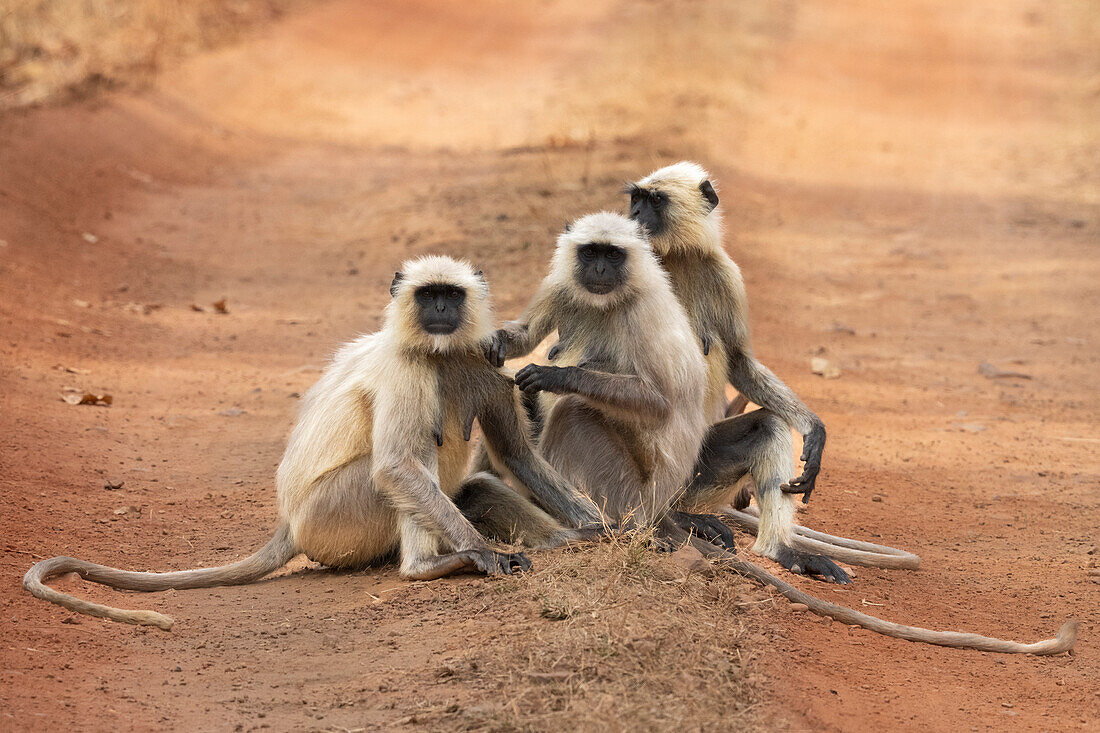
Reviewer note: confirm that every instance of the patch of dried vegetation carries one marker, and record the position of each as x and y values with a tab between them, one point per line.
52	49
605	637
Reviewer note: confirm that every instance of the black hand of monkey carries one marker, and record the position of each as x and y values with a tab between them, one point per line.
492	562
805	563
813	444
604	528
537	378
804	484
496	348
554	351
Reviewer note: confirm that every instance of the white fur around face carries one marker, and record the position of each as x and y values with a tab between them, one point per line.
605	228
402	316
692	225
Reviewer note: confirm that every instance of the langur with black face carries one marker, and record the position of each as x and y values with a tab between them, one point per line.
623	415
376	462
677	205
624	405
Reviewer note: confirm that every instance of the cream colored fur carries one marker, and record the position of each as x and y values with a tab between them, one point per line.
372	406
608	326
690	247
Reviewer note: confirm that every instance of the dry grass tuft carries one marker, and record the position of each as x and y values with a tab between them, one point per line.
52	49
600	635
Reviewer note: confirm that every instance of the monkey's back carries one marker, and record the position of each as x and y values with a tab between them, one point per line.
710	289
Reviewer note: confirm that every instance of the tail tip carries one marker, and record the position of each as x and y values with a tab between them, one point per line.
152	618
1067	635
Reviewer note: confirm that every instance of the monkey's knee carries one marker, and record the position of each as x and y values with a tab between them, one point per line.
773	428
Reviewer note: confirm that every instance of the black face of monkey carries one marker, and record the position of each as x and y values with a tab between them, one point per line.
440	308
601	268
648	209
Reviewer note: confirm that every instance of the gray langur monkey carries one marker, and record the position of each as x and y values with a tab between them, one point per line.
624	409
678	207
623	415
376	461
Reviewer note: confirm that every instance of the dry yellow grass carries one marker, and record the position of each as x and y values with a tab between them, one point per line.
56	48
601	637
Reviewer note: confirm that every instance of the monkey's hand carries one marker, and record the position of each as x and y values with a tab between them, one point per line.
591	531
553	352
805	563
604	528
535	378
496	348
707	526
492	562
813	443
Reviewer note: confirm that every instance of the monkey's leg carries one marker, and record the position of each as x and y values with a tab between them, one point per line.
579	443
421	560
506	438
482	463
758	443
737	406
500	513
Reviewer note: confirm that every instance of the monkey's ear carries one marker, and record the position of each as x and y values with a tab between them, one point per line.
568	228
480	275
709	194
397	278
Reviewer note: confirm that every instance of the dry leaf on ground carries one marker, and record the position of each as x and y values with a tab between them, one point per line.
81	397
989	371
824	367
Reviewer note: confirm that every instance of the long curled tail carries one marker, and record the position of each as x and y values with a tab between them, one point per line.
846	550
276	553
1067	635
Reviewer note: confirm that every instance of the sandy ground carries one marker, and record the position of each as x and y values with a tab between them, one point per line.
910	193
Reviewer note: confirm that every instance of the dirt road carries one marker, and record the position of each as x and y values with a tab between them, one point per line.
911	193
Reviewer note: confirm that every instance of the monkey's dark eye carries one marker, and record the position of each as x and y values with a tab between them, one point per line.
587	254
453	293
424	295
615	255
657	200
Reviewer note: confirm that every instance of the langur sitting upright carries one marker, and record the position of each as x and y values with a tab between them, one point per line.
376	461
677	205
624	406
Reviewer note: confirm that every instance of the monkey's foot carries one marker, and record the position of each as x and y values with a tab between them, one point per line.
593	531
492	562
803	563
708	527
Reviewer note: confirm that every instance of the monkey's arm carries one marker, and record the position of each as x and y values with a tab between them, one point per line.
519	337
401	473
756	382
506	435
626	393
